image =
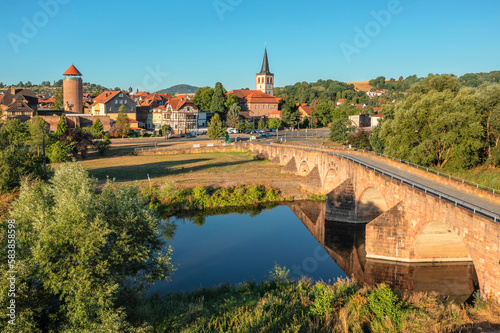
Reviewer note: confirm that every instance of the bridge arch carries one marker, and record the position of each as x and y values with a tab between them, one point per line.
331	180
436	239
370	204
304	168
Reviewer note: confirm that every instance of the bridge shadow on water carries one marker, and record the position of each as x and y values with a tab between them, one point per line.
345	244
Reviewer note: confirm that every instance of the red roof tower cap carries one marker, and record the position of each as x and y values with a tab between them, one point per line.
72	71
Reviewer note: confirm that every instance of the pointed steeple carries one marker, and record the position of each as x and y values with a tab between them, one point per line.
265	64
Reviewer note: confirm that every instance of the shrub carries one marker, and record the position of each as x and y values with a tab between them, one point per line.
279	274
58	152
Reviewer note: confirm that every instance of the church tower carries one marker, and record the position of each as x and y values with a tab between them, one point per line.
73	90
264	80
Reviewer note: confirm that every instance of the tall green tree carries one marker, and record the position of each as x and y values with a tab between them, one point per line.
340	130
231	99
122	124
261	124
438	124
290	113
324	113
15	161
218	99
59	96
489	95
216	129
233	116
39	132
97	129
83	255
203	98
62	126
274	123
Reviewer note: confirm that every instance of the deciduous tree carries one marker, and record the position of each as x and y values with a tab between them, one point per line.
203	98
83	253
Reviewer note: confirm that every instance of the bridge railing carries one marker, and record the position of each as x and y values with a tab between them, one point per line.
441	195
402	161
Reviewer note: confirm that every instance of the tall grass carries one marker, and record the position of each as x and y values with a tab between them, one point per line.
282	305
487	176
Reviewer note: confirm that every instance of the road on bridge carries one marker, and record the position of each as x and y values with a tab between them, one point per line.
448	192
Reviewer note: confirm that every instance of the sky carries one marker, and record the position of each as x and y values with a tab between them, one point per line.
152	45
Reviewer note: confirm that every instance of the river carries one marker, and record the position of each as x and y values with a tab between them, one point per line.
237	247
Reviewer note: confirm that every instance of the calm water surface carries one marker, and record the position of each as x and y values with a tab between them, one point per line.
234	248
238	247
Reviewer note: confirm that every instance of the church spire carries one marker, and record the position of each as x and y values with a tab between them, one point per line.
265	64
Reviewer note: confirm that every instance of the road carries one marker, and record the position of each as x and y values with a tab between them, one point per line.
448	192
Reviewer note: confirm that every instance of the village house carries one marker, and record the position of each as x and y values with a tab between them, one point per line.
376	119
360	120
108	103
19	103
304	111
145	106
181	114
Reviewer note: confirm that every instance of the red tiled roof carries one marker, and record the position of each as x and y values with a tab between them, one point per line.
72	71
341	100
254	96
378	115
276	112
105	96
377	109
306	108
240	93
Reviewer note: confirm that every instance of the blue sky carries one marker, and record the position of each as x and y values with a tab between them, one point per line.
157	44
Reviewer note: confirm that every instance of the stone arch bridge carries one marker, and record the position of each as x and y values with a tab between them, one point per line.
407	221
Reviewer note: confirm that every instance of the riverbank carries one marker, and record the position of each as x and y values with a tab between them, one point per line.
189	171
281	305
172	200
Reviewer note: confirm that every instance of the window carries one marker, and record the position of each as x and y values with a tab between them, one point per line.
121	95
121	101
125	101
116	101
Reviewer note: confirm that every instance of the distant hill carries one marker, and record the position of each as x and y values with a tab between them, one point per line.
179	89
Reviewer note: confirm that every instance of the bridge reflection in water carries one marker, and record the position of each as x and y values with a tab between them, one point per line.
345	244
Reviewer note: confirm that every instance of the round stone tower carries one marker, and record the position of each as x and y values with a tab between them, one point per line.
73	90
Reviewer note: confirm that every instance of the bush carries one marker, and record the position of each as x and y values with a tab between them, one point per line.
82	255
102	146
58	152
